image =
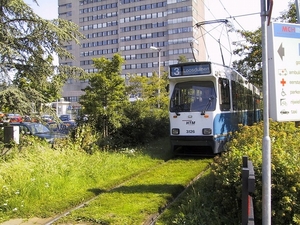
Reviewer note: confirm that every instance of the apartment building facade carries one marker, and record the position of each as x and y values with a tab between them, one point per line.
144	32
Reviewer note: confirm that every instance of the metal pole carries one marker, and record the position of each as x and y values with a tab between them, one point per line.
245	193
297	123
158	91
266	158
56	107
297	10
159	50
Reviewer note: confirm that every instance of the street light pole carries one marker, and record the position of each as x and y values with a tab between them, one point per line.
159	55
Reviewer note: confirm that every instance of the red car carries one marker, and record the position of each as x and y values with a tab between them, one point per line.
11	118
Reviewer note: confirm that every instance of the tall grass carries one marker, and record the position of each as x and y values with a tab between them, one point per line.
37	180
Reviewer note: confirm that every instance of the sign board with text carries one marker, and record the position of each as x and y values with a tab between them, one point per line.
284	71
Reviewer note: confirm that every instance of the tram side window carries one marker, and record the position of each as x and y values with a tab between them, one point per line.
257	102
224	94
240	96
250	100
234	95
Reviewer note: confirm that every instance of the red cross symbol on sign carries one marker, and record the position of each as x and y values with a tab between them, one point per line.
283	82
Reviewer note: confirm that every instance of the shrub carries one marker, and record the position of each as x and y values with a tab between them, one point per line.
223	191
141	126
86	138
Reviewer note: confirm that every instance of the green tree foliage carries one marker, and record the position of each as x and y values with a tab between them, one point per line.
250	49
146	118
285	172
182	59
105	94
27	46
140	126
250	52
290	15
15	101
152	90
220	193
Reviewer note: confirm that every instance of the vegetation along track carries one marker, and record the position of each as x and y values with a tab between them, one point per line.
140	199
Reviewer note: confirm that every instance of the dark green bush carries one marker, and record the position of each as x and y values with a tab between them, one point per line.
223	190
141	126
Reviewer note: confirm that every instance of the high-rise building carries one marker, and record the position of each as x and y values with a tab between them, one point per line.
144	32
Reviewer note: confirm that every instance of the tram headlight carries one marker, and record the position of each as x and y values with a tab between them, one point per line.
206	131
175	131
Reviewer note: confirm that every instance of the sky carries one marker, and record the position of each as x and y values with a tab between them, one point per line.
243	15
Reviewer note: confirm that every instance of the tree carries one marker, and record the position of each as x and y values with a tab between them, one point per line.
147	89
290	15
27	45
182	59
251	52
105	94
13	100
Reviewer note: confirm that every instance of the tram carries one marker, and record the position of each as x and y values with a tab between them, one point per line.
208	101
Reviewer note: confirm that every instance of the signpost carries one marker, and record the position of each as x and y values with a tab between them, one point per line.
284	71
266	165
279	58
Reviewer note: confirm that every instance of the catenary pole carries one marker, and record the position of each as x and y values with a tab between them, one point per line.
297	10
159	59
266	156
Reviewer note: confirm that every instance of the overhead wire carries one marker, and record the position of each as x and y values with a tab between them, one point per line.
208	9
221	32
233	20
212	36
227	33
207	32
229	16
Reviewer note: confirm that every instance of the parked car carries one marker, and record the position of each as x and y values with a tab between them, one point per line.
65	117
47	118
59	127
11	117
82	118
38	130
2	115
67	126
53	126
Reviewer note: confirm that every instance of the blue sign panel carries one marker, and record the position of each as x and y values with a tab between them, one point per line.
286	30
190	69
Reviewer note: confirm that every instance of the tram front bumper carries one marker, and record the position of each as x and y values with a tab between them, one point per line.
201	141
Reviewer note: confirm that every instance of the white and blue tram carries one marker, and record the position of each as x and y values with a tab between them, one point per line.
207	102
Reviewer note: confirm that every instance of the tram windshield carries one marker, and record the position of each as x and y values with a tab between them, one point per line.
193	96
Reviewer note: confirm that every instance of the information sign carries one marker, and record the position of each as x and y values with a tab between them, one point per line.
284	71
190	69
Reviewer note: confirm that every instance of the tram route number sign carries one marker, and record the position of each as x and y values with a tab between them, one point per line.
190	70
284	71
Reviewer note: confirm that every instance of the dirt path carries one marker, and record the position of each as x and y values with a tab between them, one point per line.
32	221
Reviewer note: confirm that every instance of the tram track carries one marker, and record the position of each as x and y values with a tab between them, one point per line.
154	182
66	213
153	218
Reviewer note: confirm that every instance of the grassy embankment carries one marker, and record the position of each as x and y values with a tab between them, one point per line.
41	182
